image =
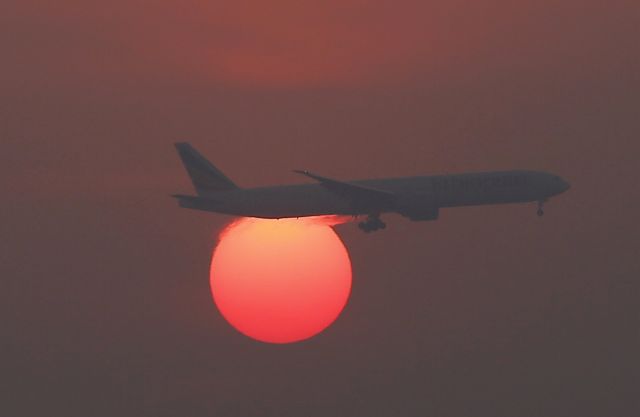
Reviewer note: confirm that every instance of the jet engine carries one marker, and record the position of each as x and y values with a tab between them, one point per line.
418	207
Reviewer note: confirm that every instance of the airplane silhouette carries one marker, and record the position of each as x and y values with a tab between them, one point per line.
417	198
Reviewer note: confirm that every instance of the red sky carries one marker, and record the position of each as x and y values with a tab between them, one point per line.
300	43
104	298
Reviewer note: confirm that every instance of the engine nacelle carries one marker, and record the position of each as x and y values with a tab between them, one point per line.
418	207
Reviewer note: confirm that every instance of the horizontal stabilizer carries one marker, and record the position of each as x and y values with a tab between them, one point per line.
194	202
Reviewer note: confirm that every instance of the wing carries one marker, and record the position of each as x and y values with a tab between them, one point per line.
361	197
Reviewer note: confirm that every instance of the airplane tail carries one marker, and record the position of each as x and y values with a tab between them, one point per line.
205	177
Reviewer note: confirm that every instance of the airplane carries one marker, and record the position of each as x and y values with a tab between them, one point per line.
417	198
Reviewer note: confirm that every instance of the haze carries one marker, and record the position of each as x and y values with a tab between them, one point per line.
106	308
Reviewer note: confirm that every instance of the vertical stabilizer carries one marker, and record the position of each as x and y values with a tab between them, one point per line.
205	177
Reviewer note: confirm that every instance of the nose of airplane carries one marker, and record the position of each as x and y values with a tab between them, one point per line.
562	185
557	184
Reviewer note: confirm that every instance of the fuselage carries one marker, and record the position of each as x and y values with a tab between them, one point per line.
414	197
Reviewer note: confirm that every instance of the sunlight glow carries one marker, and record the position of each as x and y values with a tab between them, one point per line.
280	281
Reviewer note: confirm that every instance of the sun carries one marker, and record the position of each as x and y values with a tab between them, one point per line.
280	281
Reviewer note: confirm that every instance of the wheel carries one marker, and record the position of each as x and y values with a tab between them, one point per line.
372	224
540	212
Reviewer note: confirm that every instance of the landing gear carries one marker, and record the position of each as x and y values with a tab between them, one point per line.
540	211
372	224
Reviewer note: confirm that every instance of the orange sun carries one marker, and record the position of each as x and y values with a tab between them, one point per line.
280	281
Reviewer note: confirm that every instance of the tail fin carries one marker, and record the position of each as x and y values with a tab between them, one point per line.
205	177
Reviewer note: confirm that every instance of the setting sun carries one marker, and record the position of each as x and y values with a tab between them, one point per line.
280	281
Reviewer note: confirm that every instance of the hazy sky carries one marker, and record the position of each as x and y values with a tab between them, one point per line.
104	295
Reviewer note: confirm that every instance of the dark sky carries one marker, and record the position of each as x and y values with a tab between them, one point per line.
105	307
